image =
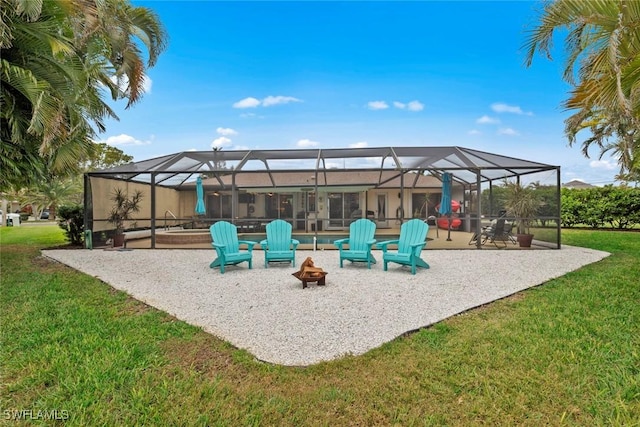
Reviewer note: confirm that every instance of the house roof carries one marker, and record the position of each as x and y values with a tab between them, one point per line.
576	183
388	164
301	181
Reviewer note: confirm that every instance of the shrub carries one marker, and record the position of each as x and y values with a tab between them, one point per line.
71	220
619	207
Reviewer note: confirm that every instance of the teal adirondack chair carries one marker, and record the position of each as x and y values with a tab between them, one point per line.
413	237
360	241
279	246
226	243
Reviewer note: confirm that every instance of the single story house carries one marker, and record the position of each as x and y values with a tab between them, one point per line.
315	189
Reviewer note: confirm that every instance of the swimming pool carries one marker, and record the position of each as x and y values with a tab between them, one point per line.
322	239
203	236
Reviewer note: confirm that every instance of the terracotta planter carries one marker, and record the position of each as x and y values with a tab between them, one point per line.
525	240
118	240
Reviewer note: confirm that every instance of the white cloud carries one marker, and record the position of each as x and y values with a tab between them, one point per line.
487	120
361	144
147	84
474	132
247	103
507	131
333	165
415	106
411	106
220	142
124	139
304	143
226	131
269	101
123	83
275	100
377	105
499	107
603	164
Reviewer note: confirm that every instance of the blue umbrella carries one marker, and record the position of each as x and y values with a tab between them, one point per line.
200	209
445	201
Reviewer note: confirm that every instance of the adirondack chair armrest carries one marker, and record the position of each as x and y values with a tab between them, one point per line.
340	242
220	249
383	245
263	243
295	243
371	242
249	244
415	245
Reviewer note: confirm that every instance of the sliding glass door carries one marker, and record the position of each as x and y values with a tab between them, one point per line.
341	207
279	206
219	206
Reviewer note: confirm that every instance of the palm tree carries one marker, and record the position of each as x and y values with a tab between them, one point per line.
603	65
108	34
218	163
56	56
38	74
612	134
55	192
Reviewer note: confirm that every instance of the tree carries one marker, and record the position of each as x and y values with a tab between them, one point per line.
56	192
603	66
218	162
56	56
38	71
104	156
108	33
47	193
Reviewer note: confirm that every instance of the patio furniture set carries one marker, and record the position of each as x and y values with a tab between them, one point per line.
280	246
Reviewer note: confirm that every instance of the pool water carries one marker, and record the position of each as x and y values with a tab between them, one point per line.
322	239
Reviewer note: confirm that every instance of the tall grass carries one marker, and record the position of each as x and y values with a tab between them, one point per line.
565	353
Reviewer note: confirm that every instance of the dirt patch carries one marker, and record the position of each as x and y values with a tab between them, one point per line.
47	265
202	353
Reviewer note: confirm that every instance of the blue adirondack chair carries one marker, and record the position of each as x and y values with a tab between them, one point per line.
226	243
360	241
279	246
413	237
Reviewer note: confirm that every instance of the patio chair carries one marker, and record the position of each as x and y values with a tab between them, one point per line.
413	237
226	243
279	246
360	241
508	230
497	233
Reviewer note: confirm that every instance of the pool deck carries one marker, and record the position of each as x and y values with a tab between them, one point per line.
437	240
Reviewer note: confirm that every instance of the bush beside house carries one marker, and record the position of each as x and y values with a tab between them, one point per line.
597	207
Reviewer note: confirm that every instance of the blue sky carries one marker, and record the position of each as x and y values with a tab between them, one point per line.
262	75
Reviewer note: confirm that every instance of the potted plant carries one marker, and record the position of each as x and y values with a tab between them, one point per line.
521	202
122	210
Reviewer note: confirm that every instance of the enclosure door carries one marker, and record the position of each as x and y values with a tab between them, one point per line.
382	210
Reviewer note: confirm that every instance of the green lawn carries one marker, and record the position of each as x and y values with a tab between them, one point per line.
566	353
